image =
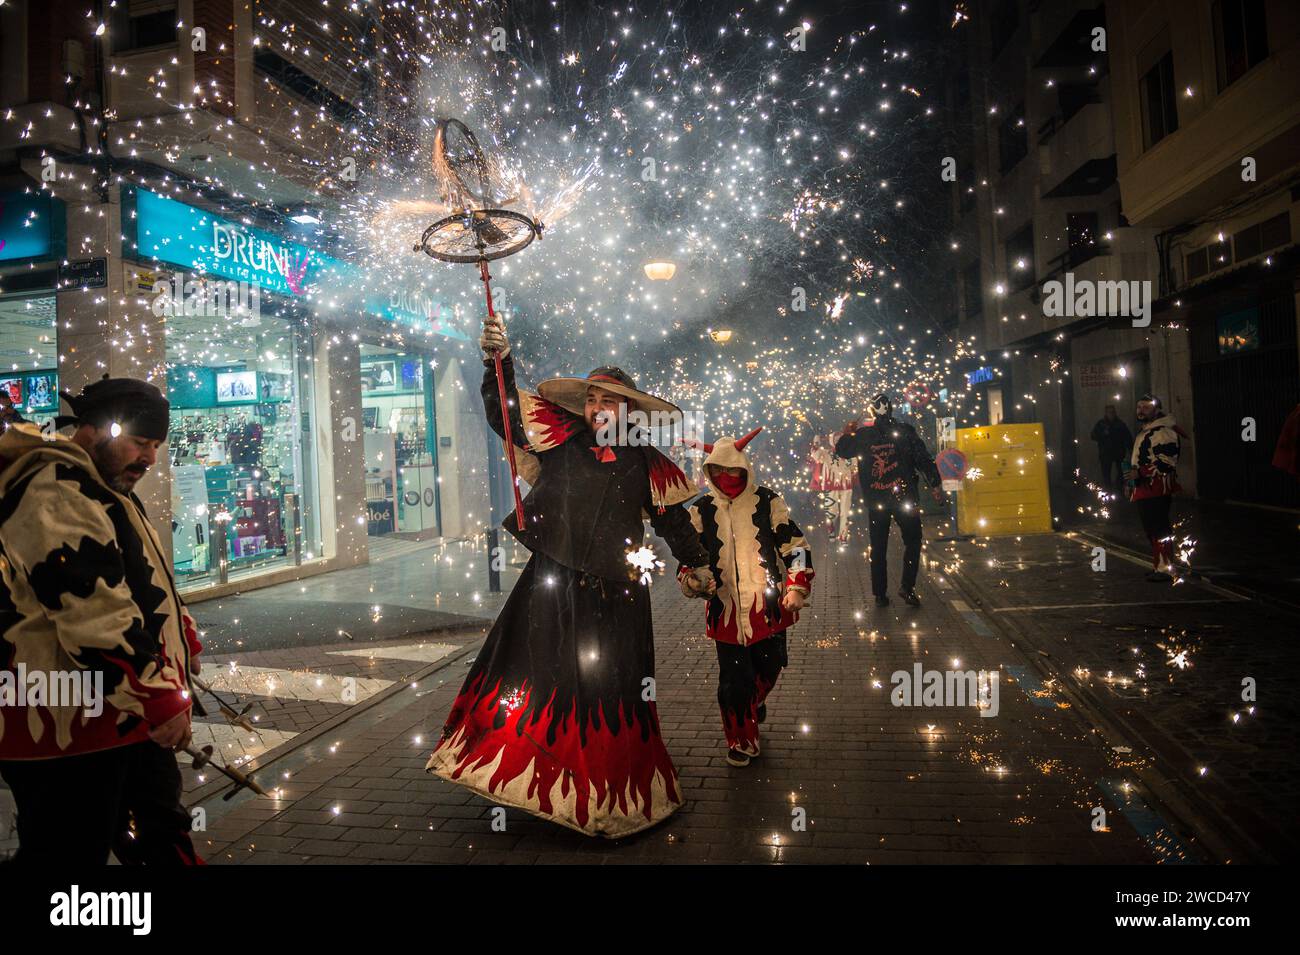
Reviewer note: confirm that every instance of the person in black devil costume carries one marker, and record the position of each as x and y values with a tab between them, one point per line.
557	715
891	454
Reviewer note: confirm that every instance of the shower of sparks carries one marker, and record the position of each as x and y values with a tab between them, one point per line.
644	560
754	167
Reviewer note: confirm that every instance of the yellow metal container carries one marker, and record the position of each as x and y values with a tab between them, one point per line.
1009	494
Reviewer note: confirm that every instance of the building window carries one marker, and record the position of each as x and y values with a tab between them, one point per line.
1159	104
144	24
972	292
1020	258
1013	139
1005	20
29	360
1262	236
1082	237
243	463
1207	259
1240	37
400	441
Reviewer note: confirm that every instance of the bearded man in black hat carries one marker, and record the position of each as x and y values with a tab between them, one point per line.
557	715
96	647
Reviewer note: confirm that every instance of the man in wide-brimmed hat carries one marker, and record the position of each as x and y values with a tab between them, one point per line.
557	715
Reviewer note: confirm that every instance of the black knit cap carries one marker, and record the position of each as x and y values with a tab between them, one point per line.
137	406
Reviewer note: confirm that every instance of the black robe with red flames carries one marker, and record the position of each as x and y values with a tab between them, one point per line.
557	715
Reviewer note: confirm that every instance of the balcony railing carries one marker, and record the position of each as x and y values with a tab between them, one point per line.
1071	100
1074	257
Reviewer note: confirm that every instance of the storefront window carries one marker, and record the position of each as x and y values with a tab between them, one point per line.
244	486
400	442
28	359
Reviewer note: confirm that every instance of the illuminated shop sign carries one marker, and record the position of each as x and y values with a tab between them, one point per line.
980	375
172	232
169	231
417	311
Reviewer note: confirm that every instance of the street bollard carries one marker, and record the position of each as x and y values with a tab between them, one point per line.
221	544
291	501
494	573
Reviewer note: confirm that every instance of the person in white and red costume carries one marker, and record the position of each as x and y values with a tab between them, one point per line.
838	478
762	567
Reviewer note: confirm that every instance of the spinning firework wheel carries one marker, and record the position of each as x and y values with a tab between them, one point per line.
476	236
460	165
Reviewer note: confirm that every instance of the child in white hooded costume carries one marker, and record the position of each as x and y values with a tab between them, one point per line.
763	571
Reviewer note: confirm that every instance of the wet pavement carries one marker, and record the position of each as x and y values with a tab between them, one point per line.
1117	732
1169	668
845	775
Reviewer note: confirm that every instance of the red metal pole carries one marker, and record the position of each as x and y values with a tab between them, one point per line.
505	408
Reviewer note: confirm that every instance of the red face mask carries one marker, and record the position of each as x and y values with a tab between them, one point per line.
728	485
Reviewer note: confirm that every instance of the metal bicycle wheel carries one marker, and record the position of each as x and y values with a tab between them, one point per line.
478	235
459	161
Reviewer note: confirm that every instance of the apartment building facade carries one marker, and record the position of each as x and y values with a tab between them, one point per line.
1207	133
1108	143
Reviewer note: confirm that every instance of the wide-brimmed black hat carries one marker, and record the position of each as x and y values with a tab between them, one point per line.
571	393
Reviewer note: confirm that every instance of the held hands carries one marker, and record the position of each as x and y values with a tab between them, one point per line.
493	341
175	733
793	600
699	583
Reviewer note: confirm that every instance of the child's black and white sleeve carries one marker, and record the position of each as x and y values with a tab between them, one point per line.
794	549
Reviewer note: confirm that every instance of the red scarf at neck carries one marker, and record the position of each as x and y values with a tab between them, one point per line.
730	486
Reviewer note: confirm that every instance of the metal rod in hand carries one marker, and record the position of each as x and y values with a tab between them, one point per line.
227	710
505	408
203	757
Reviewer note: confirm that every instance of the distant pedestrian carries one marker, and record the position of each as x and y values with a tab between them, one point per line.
892	453
1114	443
1153	478
839	485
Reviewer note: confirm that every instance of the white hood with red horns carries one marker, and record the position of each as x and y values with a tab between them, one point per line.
756	550
727	453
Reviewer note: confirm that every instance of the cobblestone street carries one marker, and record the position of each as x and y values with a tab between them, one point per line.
876	782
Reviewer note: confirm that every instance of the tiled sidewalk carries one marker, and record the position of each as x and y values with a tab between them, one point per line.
878	783
289	692
304	654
